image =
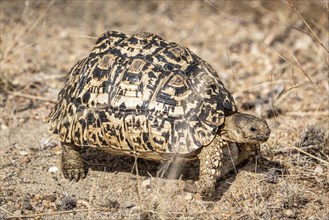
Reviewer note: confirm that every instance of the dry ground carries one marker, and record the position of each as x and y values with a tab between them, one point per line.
273	57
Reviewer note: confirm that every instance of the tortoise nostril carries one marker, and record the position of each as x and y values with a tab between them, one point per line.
253	129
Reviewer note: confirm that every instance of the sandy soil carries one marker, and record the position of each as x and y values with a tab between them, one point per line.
272	57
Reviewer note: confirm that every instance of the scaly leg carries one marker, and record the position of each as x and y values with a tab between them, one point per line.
72	164
219	158
210	166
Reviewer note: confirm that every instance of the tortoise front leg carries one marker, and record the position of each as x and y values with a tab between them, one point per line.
210	166
219	158
72	164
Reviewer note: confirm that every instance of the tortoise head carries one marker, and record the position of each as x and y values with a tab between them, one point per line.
244	128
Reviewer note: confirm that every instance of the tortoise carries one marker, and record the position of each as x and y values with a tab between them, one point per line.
145	97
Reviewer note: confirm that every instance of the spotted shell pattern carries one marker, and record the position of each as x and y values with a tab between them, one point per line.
141	95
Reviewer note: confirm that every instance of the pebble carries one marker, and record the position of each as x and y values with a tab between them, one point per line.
25	160
4	127
23	153
53	169
290	213
146	183
51	198
48	143
17	212
188	196
63	34
318	170
26	205
68	202
119	190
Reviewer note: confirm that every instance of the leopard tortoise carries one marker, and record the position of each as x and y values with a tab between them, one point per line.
145	97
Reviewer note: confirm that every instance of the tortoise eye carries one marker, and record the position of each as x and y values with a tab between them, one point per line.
253	129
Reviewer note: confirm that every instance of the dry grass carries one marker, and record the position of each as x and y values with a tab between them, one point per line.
272	55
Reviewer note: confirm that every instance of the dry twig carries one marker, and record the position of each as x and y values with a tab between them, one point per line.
301	68
318	113
310	155
32	97
307	25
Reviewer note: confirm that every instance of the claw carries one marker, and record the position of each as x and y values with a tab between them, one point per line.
66	175
82	174
76	176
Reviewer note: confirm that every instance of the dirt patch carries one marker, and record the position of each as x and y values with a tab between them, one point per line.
273	61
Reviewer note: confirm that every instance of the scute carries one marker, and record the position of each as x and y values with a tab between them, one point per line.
141	95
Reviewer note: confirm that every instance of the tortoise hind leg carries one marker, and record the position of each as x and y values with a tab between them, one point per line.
210	167
72	164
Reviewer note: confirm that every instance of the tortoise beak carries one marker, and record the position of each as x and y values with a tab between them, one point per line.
261	138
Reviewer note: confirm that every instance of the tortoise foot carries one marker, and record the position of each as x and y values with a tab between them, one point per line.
72	165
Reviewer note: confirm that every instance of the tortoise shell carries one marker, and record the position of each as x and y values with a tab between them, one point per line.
141	95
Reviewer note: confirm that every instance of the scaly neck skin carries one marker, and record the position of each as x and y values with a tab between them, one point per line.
228	130
244	128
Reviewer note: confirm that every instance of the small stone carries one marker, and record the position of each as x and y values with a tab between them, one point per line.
26	205
17	212
36	198
290	213
146	183
23	153
318	170
63	34
51	198
113	204
188	196
53	169
25	160
68	202
119	190
47	143
4	127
